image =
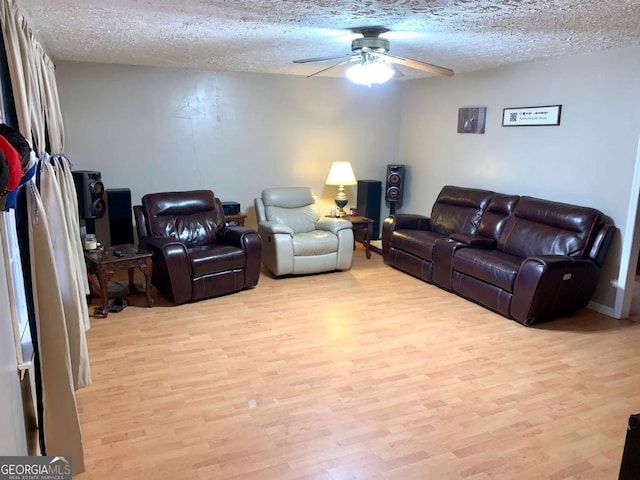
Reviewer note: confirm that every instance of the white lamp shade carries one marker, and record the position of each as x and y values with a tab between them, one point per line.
341	173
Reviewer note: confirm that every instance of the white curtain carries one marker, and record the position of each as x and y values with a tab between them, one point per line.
73	298
61	423
53	112
62	166
18	60
58	270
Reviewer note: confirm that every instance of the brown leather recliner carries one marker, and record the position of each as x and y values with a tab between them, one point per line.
195	256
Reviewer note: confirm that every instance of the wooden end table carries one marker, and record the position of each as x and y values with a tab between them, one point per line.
104	263
366	225
360	223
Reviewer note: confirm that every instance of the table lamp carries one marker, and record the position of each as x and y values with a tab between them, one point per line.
341	174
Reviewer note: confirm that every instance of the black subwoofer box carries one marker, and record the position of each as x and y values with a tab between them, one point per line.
369	198
120	216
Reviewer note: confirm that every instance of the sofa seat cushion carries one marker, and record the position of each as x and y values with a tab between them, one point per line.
317	242
490	266
417	242
215	259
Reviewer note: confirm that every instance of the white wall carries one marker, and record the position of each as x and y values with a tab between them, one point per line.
588	160
159	129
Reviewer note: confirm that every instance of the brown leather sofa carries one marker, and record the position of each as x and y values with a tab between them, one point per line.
195	256
528	259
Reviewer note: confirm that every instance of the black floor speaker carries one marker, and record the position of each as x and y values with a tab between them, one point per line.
120	216
394	189
630	466
369	198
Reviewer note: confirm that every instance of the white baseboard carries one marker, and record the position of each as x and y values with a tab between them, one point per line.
598	307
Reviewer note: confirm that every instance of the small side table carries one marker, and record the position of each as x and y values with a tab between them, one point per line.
366	225
360	223
104	263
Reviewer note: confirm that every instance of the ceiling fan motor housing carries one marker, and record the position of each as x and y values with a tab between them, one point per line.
369	44
372	51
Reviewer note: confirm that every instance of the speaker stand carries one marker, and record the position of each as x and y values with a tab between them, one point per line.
392	208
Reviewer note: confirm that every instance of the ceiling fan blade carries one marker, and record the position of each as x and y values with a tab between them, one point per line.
321	59
408	62
398	73
334	66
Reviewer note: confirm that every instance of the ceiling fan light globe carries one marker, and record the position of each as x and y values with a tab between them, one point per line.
370	73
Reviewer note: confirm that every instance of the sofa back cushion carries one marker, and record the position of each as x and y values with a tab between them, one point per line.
496	214
191	217
542	227
459	210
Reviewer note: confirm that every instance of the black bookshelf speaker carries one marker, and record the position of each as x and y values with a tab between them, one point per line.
120	216
394	189
90	191
369	198
630	465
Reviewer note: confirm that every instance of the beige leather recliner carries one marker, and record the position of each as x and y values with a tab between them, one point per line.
296	238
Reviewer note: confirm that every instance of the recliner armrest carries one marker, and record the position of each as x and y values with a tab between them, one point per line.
333	225
249	241
141	226
171	268
473	240
273	227
159	243
235	236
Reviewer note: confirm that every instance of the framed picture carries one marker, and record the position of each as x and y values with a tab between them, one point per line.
472	119
531	116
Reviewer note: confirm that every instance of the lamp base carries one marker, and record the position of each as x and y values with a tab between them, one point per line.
341	202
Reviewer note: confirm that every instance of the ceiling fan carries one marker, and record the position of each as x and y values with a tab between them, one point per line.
374	62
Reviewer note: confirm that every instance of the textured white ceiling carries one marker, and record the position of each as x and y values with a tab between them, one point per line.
267	35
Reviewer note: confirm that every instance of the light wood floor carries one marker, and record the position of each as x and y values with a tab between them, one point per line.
365	374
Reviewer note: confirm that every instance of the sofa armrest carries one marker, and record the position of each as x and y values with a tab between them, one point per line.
171	268
473	240
333	225
401	221
444	250
273	227
551	286
408	221
601	244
